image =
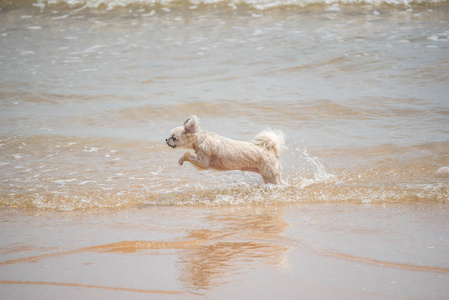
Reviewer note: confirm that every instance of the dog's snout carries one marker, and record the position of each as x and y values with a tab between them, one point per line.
169	142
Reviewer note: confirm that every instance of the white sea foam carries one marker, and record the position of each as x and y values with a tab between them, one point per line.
92	149
443	170
64	181
86	181
60	17
257	4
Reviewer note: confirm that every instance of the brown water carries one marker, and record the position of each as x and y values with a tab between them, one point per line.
319	251
88	186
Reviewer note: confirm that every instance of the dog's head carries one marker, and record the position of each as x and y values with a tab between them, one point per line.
181	135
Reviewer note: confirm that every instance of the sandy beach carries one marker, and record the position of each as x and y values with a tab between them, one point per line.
320	251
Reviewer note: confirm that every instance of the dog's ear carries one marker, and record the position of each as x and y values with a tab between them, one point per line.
192	124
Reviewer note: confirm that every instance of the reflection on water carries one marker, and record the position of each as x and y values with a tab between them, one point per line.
229	251
205	255
217	246
206	259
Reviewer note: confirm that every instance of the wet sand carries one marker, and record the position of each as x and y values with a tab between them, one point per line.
310	251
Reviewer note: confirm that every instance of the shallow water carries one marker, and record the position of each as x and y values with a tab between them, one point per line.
88	96
94	204
318	251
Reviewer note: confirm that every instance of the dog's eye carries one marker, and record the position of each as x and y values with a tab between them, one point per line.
173	138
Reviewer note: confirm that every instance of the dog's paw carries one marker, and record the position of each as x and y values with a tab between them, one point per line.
181	161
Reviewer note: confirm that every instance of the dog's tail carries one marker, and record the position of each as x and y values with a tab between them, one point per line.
271	140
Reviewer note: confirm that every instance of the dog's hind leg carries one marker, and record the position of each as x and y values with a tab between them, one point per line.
271	173
272	180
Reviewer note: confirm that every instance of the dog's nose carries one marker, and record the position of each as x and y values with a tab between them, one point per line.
166	140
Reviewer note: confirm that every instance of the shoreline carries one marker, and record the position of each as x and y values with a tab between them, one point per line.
218	251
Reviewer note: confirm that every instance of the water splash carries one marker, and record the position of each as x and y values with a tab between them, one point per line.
319	173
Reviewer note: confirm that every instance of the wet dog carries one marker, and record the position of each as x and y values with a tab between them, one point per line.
213	151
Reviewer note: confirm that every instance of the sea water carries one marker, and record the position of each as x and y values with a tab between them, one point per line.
90	90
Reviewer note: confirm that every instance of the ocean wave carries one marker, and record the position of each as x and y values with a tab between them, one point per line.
72	174
227	189
302	191
256	4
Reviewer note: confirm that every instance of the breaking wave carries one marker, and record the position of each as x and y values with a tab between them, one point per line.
163	187
256	4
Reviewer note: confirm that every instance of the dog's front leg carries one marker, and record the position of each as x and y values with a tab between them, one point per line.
195	160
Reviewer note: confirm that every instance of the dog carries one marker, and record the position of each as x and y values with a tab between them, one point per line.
213	151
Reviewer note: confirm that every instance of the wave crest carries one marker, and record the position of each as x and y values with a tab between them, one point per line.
256	4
